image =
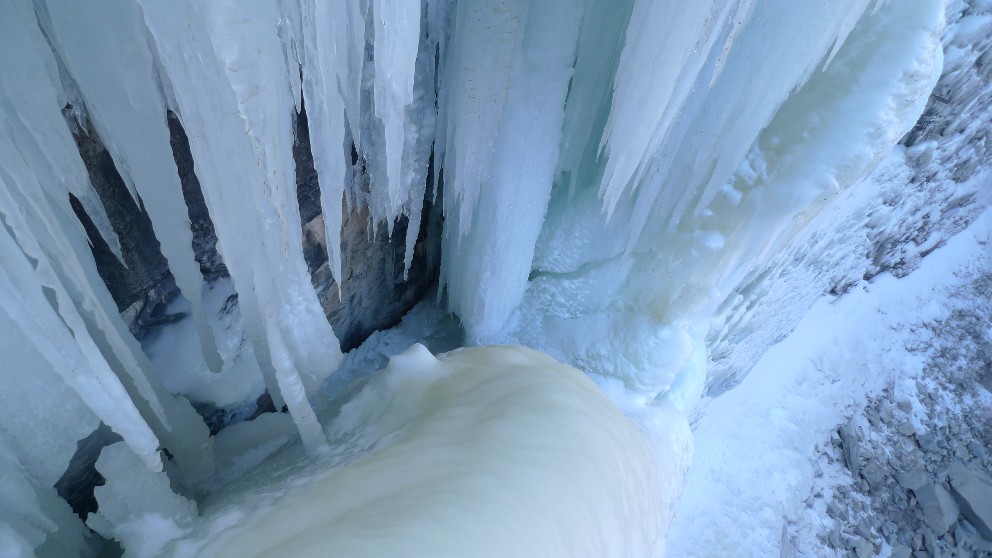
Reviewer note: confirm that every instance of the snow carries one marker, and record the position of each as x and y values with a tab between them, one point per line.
753	462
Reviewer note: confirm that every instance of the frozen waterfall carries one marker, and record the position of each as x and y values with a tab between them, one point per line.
620	182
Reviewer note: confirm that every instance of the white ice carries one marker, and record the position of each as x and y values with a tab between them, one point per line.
497	451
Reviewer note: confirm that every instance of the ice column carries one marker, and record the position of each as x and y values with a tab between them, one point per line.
507	85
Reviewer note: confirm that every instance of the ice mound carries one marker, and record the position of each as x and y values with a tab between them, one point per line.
491	451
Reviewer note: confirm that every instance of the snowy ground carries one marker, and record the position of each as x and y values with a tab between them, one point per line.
765	469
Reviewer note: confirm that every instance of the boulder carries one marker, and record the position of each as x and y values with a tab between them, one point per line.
852	450
940	511
912	479
973	491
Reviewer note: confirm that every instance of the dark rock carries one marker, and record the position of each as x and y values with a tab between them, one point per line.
144	266
973	491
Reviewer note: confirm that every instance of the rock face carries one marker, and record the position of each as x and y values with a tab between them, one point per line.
146	266
973	491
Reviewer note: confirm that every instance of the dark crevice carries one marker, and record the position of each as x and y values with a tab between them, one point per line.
204	236
373	295
145	264
81	477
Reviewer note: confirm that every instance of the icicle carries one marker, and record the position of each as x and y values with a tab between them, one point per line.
420	125
66	347
397	36
29	81
476	93
34	520
668	146
242	144
326	119
128	112
599	46
347	21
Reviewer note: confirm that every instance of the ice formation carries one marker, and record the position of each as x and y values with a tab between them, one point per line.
619	180
531	458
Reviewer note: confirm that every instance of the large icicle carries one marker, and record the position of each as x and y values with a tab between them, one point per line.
69	351
601	41
29	80
397	37
48	233
128	112
326	115
229	74
46	228
504	131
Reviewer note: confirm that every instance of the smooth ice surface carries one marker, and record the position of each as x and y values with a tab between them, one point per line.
492	451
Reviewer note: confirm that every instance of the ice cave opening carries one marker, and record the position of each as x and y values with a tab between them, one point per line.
495	278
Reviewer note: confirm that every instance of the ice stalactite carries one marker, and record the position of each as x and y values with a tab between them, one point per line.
38	101
615	174
128	111
227	98
397	37
682	232
98	357
323	76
